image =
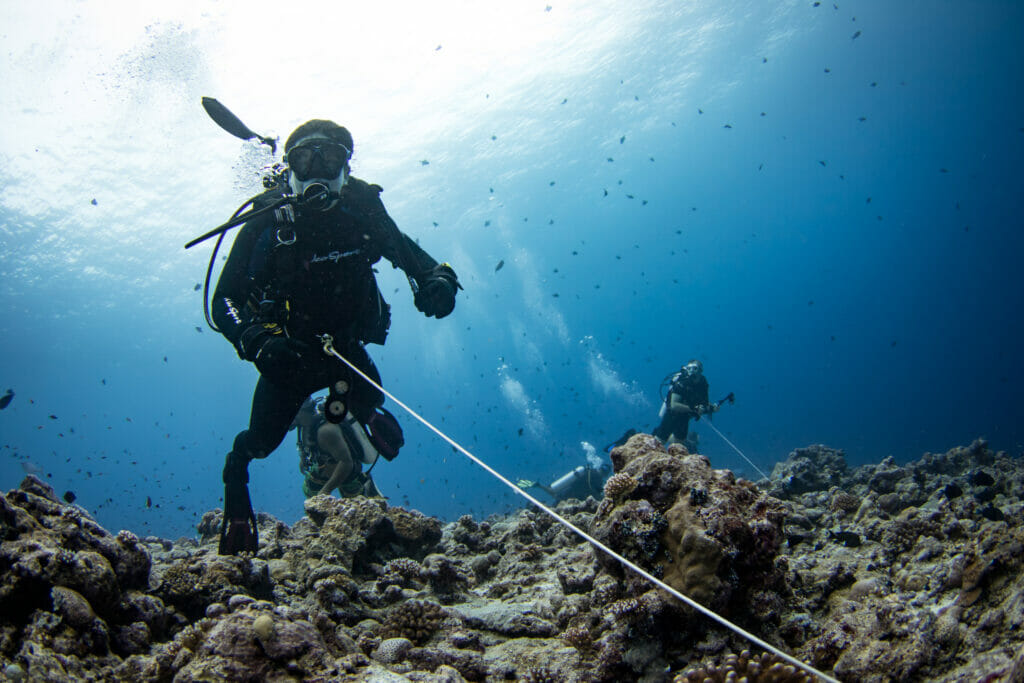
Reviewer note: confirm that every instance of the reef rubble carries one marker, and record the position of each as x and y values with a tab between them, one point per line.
881	572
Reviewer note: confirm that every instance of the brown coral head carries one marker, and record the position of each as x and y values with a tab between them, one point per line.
619	486
416	620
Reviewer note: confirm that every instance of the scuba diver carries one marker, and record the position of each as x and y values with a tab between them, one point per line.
331	455
687	398
299	284
580	482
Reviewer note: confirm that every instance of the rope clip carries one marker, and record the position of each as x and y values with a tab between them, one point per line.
328	342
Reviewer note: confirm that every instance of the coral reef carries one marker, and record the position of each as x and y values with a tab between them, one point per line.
880	572
705	533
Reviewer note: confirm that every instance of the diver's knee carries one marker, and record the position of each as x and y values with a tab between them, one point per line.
249	447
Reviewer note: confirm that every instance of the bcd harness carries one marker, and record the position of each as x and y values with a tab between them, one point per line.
277	262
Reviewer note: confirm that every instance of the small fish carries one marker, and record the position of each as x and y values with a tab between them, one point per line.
52	416
992	513
551	184
30	468
6	399
847	538
728	125
764	60
500	265
823	163
199	329
855	36
494	137
70	496
149	502
622	139
700	111
197	287
981	478
94	202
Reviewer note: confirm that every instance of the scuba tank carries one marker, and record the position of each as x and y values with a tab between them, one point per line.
564	483
360	446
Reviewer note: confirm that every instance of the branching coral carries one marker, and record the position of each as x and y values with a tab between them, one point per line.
416	620
766	668
403	571
619	486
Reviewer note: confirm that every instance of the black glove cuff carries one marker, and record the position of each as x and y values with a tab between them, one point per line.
251	341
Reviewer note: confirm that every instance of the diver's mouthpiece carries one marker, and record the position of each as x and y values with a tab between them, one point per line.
317	196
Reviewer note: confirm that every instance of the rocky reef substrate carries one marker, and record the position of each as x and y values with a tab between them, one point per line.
875	573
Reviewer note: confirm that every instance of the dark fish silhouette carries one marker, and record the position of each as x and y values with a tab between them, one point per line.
197	287
149	502
498	267
6	399
855	36
70	496
847	538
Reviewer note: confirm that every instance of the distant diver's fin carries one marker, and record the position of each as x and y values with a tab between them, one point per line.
621	440
232	124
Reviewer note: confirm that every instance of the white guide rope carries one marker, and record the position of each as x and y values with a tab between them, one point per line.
759	470
329	348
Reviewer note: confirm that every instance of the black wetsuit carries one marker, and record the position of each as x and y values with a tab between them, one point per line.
691	390
322	282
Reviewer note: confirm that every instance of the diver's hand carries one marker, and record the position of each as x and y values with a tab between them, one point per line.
279	358
436	295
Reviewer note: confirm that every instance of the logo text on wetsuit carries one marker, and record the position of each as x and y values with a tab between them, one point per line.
334	256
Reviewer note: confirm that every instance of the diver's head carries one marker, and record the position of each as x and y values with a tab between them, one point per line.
693	368
317	154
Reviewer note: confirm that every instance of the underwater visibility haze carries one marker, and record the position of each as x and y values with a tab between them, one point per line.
820	202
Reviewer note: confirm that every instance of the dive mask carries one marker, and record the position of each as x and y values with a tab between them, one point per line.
319	158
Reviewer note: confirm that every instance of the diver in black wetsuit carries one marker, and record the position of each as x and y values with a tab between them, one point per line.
687	398
303	271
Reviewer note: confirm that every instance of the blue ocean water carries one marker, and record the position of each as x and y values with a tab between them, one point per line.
818	201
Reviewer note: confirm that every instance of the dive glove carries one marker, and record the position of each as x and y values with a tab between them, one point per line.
280	357
275	355
436	294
